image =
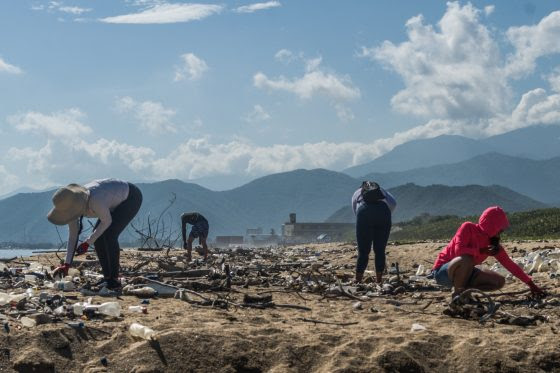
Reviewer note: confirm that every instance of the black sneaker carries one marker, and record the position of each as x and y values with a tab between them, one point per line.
113	284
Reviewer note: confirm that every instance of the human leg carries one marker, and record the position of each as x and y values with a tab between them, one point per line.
364	238
459	271
202	241
121	217
487	280
381	231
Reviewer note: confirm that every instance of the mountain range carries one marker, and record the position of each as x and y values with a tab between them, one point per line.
458	176
534	142
314	195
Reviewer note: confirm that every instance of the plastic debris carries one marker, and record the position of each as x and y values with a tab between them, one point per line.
417	327
141	331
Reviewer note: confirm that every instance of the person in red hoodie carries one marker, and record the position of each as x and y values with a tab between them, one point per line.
471	245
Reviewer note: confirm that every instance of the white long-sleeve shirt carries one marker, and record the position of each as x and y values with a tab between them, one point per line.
104	196
357	200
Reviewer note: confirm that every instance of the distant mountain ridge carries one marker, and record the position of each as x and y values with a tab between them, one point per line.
534	142
265	202
538	179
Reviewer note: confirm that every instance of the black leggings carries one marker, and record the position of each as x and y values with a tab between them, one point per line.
373	225
107	245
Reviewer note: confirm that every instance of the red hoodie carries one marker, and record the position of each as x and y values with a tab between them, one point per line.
471	238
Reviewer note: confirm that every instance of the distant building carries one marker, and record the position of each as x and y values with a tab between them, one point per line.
229	240
253	231
293	231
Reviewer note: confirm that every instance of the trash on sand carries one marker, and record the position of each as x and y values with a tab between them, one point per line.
417	327
141	331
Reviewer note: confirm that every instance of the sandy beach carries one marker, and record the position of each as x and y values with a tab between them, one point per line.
335	335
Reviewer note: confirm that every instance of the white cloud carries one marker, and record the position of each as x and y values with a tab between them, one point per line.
63	124
10	69
489	9
344	113
8	181
314	82
533	42
284	56
258	114
193	67
152	116
449	71
167	13
257	6
76	10
554	79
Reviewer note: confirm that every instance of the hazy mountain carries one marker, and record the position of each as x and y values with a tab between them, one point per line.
535	142
266	202
538	179
414	200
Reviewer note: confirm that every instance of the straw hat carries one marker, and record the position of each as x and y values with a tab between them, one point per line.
69	203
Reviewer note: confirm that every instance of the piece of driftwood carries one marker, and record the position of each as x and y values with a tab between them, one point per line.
327	322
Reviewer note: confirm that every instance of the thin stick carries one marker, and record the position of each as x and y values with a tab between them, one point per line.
327	322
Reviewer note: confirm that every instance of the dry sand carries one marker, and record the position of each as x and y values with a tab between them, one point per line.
202	339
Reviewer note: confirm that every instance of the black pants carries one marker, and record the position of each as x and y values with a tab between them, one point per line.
373	225
107	245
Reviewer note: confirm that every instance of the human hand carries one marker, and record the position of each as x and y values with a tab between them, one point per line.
536	291
61	270
490	250
82	249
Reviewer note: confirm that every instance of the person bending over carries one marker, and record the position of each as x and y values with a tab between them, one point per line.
471	245
114	203
199	230
373	207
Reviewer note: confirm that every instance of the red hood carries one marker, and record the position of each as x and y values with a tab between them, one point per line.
493	220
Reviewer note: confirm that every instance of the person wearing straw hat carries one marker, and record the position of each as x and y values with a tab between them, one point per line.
114	203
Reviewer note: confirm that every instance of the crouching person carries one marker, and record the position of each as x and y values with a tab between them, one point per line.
114	203
199	230
471	245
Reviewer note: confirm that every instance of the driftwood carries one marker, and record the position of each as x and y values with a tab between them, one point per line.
327	322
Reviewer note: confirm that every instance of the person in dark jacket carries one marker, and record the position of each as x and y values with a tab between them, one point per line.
373	225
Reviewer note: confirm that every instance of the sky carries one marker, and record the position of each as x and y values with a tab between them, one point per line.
220	92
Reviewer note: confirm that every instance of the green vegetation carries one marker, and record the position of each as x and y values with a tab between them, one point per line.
535	224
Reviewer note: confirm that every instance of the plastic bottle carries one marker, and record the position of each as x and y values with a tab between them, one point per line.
28	322
78	309
145	291
4	299
110	309
64	285
420	271
139	309
141	331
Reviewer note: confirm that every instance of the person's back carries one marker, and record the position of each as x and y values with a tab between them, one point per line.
373	225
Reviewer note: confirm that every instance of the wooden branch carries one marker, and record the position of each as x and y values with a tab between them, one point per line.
327	322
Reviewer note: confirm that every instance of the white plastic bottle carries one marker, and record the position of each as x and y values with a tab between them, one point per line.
110	309
141	331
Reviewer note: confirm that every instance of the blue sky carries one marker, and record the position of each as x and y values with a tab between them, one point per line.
148	90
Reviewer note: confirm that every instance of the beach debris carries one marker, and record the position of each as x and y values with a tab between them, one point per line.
417	327
141	331
358	306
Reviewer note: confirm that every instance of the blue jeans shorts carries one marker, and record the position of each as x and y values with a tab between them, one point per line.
199	229
442	277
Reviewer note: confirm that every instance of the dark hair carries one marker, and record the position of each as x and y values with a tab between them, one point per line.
495	241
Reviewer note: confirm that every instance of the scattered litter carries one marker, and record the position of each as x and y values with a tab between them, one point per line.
141	331
417	327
